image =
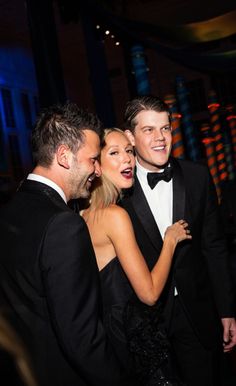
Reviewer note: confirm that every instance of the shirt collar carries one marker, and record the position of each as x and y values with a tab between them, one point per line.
142	171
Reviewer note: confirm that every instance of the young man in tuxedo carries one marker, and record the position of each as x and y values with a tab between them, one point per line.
48	273
199	292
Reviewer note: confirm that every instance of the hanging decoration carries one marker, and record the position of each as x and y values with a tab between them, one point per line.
192	147
140	70
229	160
213	108
209	144
177	138
231	119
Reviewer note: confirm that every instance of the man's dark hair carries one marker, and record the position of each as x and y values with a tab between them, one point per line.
141	103
61	124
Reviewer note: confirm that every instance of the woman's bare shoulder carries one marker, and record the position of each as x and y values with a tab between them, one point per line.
117	219
116	210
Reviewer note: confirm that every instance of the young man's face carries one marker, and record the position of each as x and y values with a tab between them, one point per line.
152	139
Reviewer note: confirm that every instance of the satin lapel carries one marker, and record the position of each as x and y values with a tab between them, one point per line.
180	210
144	214
179	194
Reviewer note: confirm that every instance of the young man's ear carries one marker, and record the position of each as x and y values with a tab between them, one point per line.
130	136
63	156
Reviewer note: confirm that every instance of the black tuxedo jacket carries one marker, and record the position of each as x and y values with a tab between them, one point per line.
200	266
49	279
228	211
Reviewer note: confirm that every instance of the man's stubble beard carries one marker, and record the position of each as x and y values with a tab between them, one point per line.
77	185
79	190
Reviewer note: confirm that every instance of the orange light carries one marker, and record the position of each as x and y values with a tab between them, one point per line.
213	105
207	140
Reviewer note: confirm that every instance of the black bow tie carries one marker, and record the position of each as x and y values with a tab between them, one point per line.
154	178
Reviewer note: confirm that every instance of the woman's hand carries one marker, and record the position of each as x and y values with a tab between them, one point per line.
178	232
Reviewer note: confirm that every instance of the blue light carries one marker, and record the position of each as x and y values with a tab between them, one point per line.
17	76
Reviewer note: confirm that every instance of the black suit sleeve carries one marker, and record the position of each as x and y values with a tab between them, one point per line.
71	283
215	251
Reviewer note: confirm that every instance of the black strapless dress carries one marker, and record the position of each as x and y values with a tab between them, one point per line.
136	330
116	291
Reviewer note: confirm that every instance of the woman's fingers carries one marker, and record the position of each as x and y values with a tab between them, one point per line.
184	225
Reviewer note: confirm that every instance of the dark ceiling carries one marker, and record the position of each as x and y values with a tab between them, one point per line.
163	12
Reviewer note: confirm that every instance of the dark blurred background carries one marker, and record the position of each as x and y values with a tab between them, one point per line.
99	54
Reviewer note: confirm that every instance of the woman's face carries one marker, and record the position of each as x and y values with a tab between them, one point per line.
117	160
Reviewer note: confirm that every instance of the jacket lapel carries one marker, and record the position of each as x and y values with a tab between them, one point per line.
180	208
179	193
144	214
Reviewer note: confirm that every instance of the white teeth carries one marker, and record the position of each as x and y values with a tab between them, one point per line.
126	170
159	148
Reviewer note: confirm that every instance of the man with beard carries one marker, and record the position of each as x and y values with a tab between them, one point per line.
48	273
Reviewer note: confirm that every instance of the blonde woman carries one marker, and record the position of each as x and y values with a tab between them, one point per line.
123	270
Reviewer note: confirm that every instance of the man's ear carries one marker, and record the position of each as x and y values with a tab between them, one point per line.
130	136
63	156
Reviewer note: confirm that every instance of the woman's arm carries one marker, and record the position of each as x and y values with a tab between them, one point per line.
147	285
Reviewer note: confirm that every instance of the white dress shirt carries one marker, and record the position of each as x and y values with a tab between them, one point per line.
46	181
160	199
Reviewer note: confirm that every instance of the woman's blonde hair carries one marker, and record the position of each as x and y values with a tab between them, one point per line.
104	192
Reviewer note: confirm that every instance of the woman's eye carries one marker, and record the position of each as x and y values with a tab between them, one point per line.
113	152
130	151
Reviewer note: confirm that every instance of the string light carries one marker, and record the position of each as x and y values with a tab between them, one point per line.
106	33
